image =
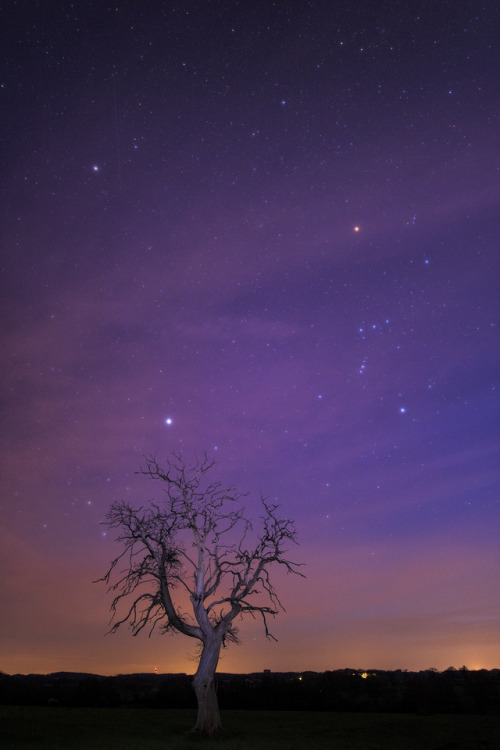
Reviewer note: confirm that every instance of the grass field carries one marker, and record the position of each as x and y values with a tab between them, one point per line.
148	729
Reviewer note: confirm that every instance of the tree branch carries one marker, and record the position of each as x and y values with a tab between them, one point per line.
230	575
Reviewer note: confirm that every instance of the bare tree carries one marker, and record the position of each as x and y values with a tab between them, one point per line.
197	540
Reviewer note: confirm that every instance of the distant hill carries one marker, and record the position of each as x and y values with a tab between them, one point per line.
452	691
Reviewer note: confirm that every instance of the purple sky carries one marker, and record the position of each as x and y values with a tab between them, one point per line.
268	230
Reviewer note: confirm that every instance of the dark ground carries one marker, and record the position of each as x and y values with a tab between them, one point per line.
58	728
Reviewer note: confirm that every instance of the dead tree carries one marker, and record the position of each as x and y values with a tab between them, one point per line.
196	545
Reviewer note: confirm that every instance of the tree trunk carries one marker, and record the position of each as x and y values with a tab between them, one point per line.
208	720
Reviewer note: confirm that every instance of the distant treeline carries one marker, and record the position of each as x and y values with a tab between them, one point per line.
452	691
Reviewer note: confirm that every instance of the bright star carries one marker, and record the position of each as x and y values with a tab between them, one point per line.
402	410
95	168
356	229
169	420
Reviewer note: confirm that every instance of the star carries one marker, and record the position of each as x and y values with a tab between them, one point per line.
169	421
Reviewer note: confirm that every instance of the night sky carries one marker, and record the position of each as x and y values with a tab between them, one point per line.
268	230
